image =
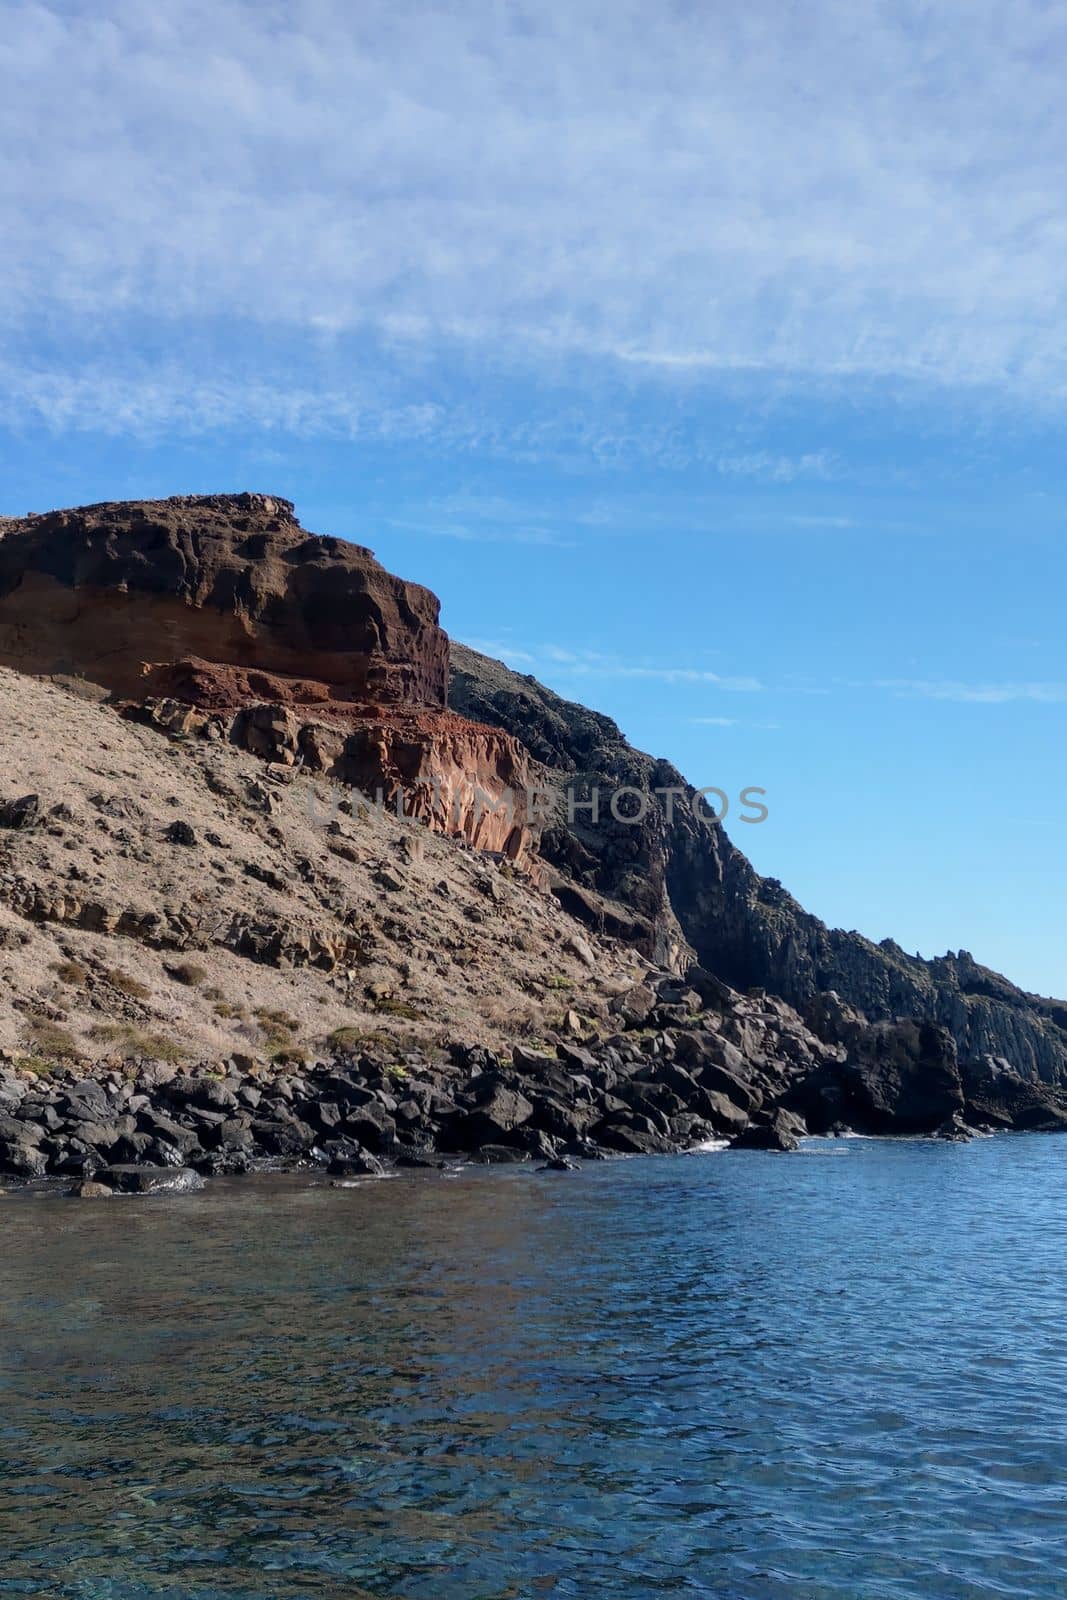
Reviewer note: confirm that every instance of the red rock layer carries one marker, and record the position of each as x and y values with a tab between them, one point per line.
305	649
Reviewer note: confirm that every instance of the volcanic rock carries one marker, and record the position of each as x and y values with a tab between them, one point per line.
150	1180
675	885
220	615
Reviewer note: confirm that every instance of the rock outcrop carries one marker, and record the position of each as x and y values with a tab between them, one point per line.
897	1078
301	648
123	593
674	883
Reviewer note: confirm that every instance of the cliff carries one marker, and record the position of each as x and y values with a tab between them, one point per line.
220	618
120	593
674	882
302	647
217	949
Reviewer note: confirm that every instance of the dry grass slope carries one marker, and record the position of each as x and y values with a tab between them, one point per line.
283	925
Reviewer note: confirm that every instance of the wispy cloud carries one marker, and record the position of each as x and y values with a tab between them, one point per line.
502	650
735	722
563	661
778	468
986	694
661	189
818	520
480	533
619	669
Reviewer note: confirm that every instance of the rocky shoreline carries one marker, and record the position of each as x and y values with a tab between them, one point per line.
692	1061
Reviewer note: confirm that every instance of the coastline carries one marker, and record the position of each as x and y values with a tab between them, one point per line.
694	1064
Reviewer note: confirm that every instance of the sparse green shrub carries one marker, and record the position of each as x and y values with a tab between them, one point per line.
52	1040
349	1041
136	1042
127	985
226	1009
398	1008
37	1065
291	1055
72	972
187	972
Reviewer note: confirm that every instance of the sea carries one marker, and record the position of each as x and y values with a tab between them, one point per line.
834	1375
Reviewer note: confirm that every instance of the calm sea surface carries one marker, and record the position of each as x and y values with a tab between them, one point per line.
837	1374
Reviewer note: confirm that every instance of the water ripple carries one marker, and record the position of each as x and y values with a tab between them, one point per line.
732	1376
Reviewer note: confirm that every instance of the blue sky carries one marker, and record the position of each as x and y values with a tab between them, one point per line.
709	363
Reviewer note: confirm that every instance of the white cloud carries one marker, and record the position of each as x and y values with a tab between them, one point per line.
475	533
820	192
734	722
777	468
568	662
988	694
740	685
501	650
818	521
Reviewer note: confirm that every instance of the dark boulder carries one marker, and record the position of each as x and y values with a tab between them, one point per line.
496	1155
352	1162
20	813
955	1131
777	1132
721	1081
159	1126
288	1138
151	1180
492	1120
371	1126
726	1118
998	1097
22	1157
632	1134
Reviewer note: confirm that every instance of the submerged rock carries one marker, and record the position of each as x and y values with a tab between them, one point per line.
354	1164
954	1130
778	1132
151	1180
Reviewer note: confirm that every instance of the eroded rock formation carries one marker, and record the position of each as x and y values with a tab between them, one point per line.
121	593
301	648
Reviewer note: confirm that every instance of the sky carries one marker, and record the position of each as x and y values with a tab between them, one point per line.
710	363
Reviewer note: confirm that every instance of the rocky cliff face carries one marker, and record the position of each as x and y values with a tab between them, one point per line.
677	880
121	593
220	617
302	648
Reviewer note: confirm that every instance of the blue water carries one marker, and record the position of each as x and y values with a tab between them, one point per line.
837	1374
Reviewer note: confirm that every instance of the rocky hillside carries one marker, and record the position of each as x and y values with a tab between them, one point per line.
254	906
251	829
672	883
170	896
